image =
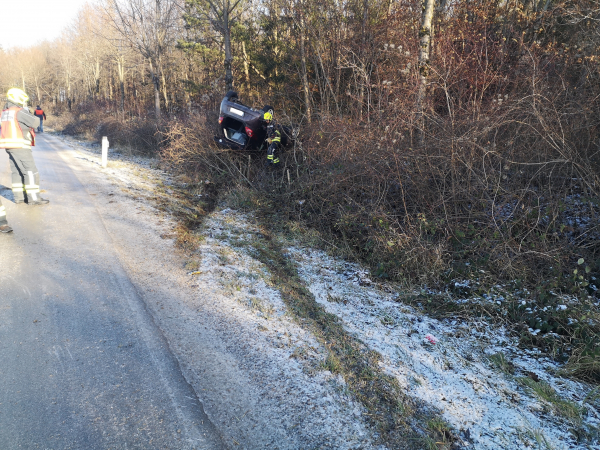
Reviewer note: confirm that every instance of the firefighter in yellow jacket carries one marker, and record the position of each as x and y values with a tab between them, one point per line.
273	138
17	137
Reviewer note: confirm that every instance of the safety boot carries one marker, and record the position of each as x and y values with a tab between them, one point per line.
39	201
5	229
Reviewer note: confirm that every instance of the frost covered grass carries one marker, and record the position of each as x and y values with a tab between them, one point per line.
568	409
500	361
557	310
257	263
564	325
465	380
485	342
395	415
492	393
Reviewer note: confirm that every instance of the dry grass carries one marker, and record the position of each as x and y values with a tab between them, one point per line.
583	364
565	408
500	361
93	120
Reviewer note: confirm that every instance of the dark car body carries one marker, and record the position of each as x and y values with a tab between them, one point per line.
242	127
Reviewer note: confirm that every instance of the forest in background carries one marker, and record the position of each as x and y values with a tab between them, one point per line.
448	144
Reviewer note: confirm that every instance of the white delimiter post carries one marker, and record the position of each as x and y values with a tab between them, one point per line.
104	151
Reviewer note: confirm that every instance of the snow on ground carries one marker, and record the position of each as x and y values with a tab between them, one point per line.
444	363
232	276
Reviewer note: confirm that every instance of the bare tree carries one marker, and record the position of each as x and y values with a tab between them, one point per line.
91	50
149	26
66	65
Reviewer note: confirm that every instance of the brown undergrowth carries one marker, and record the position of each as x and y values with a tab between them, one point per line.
396	417
503	205
95	119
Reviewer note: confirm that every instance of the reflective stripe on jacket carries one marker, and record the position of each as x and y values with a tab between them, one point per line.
11	134
273	134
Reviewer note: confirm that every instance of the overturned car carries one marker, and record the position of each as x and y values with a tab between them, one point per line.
241	127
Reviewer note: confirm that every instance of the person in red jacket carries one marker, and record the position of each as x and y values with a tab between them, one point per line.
40	114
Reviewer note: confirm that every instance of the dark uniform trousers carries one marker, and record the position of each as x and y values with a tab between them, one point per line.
24	173
275	137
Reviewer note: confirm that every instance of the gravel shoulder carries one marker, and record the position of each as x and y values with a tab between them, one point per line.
260	375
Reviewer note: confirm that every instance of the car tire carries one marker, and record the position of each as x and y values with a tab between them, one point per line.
268	108
231	94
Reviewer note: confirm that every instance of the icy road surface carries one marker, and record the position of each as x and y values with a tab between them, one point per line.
82	364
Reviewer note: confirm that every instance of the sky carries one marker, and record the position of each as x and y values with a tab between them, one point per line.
35	20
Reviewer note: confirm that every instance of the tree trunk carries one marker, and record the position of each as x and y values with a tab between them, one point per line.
186	94
276	50
165	91
121	72
246	67
305	84
228	57
425	38
164	83
37	88
97	79
69	92
156	83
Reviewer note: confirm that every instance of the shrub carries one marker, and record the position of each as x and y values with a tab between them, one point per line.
93	120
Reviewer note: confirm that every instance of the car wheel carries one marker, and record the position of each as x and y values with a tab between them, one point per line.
231	94
268	108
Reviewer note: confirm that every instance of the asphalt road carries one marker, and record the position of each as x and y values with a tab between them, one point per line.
82	364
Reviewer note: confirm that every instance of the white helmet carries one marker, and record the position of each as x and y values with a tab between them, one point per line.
17	96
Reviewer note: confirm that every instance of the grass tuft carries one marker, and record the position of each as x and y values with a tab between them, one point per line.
332	363
500	362
565	408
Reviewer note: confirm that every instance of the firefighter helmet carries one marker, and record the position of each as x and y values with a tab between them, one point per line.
268	116
17	96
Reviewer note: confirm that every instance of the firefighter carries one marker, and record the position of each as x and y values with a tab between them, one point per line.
16	137
40	114
273	138
4	228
